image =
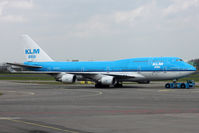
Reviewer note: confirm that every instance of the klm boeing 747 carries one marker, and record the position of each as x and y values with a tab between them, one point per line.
103	73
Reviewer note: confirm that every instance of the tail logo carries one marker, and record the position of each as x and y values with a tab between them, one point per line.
32	53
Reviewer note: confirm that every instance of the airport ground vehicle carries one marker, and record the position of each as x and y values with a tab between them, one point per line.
189	84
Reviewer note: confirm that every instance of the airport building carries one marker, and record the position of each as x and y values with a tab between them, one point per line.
3	67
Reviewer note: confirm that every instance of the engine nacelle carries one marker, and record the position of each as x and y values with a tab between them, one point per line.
107	80
68	78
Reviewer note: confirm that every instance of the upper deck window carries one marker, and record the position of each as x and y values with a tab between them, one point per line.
179	60
141	61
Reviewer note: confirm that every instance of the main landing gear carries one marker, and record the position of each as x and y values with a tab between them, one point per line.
116	85
99	85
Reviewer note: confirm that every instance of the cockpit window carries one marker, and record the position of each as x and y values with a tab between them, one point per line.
179	60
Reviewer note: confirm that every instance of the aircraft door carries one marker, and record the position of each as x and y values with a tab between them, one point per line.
165	69
139	69
165	62
108	69
82	69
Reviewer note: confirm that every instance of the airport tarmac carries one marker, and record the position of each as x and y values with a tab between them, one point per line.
136	108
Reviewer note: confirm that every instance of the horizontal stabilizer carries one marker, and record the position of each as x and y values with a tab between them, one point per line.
36	72
22	65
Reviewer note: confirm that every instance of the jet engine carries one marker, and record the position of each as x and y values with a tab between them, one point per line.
68	78
107	80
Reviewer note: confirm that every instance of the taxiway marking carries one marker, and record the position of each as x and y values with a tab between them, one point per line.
165	90
97	93
6	118
40	125
21	92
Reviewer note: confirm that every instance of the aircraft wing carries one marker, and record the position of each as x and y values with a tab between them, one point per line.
90	75
85	74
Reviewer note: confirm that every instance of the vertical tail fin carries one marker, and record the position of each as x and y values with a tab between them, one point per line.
33	52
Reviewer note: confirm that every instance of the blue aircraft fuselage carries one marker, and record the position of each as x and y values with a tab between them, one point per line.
127	65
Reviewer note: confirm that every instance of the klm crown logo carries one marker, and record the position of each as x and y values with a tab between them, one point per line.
32	51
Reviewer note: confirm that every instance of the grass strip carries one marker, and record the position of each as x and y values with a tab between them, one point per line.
25	77
194	77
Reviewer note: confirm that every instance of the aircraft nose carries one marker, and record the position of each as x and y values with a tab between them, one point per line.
192	68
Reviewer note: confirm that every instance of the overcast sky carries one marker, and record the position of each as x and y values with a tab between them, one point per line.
100	29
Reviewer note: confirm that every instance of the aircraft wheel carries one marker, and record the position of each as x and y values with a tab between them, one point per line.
167	85
98	85
118	85
183	85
